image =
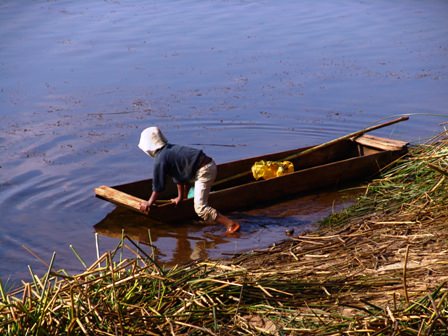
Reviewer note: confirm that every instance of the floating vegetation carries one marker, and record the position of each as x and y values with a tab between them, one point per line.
380	268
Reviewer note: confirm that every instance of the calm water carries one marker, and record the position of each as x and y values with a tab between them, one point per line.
80	80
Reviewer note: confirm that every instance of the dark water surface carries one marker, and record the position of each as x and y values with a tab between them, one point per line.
79	80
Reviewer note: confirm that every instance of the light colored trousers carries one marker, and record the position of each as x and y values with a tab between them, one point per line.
203	181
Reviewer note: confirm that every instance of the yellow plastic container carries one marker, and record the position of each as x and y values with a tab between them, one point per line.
269	169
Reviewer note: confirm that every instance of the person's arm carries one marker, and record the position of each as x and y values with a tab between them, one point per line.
180	193
146	206
186	190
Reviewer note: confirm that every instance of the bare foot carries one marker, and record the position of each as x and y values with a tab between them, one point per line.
231	225
233	228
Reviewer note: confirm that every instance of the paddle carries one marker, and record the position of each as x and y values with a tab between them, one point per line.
326	144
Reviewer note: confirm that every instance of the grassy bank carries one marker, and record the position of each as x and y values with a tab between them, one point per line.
378	268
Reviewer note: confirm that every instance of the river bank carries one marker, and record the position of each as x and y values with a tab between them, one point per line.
377	268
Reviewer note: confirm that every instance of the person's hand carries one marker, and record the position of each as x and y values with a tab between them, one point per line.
176	200
144	207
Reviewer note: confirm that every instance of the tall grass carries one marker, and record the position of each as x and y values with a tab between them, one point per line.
137	297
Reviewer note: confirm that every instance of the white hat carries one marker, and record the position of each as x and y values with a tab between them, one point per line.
151	140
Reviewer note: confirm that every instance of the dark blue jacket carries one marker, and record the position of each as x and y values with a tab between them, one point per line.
178	162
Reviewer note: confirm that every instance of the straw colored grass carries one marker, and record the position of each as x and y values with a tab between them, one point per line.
378	268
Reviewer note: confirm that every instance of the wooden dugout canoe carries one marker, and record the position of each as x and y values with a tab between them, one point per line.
331	165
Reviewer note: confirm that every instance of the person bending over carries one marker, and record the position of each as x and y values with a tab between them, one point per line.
183	164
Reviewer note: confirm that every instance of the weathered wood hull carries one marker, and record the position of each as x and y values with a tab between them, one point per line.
344	162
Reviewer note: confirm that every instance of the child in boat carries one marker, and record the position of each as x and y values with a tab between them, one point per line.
183	164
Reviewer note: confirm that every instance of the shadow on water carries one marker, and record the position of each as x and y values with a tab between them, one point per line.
184	242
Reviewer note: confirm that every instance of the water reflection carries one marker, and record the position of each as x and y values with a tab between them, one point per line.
193	240
184	242
174	243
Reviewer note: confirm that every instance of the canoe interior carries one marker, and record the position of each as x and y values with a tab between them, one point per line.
363	147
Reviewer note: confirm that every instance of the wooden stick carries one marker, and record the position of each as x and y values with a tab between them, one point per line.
405	274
